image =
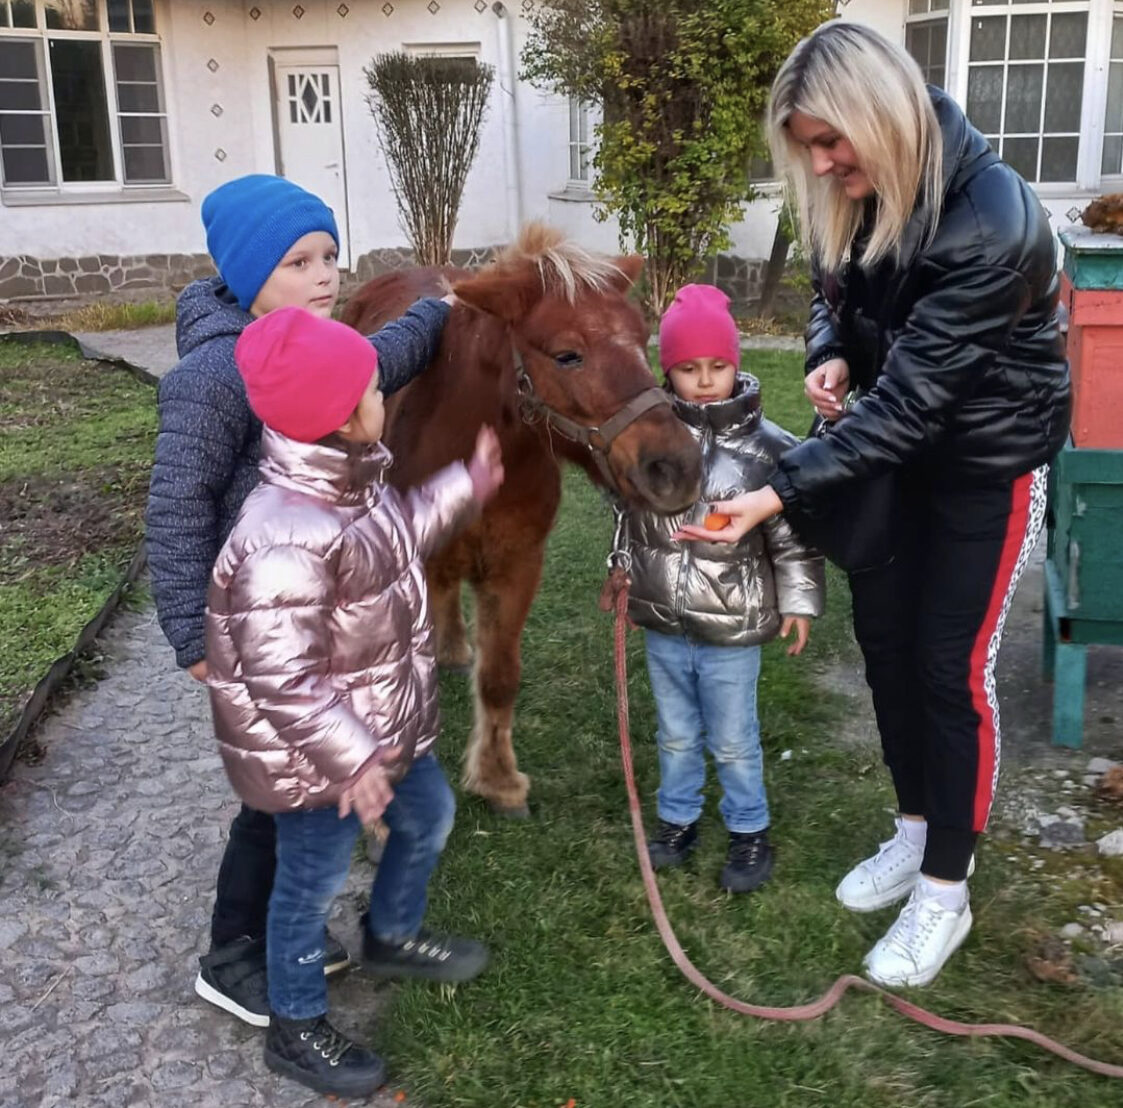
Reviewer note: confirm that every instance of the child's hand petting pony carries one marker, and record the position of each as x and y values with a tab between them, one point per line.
486	466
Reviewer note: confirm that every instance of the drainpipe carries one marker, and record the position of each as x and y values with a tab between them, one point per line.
508	88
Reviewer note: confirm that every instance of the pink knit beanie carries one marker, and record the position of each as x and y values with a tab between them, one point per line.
698	325
304	375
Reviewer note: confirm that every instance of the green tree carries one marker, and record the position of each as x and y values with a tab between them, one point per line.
683	85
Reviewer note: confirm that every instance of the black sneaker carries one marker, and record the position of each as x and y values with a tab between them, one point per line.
433	957
749	862
233	977
336	958
322	1058
673	844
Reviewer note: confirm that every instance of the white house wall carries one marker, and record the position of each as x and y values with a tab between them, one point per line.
219	101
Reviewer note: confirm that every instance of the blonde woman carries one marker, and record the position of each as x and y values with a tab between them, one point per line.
934	306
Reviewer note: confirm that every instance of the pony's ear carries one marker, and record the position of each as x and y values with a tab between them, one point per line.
630	266
507	294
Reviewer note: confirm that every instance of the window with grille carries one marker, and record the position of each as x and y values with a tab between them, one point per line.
1112	159
926	38
1025	84
579	145
86	105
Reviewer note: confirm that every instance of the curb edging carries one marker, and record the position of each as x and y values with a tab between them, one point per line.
60	669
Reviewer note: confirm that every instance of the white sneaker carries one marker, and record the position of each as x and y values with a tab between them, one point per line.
887	877
883	879
924	936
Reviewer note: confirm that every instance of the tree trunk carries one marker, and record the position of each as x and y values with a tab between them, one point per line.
773	271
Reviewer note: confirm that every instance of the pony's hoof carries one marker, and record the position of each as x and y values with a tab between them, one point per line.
509	811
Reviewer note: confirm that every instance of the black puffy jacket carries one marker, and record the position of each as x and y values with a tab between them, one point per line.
958	342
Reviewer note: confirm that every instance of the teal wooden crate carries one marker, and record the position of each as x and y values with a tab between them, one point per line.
1092	260
1086	539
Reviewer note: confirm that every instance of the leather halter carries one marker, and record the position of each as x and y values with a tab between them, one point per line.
596	440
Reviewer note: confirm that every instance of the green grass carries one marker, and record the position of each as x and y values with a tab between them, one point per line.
582	1003
74	462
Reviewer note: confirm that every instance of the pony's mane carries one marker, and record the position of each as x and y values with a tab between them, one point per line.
564	267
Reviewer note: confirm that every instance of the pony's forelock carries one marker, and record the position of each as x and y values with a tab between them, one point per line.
564	267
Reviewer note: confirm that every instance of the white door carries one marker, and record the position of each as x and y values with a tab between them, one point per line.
310	137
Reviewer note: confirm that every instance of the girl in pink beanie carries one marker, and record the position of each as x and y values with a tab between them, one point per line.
323	678
706	608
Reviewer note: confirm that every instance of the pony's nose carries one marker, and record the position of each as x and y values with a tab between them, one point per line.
668	481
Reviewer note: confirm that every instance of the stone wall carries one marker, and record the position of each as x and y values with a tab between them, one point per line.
739	278
27	278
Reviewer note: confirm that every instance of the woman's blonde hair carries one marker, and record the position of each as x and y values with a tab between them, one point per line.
871	92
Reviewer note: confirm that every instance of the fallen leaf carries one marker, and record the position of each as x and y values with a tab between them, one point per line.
1111	786
1051	962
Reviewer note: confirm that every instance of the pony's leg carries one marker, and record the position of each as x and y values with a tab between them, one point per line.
502	604
454	651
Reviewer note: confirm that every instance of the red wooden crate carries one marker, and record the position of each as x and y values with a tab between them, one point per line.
1095	353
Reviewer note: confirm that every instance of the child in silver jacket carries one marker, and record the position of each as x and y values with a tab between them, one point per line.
706	608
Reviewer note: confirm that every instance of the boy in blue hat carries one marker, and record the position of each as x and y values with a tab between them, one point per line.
274	245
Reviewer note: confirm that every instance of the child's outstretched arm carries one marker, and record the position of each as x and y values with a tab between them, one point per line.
443	504
407	346
280	602
202	426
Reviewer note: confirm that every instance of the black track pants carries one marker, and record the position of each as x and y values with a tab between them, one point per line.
929	625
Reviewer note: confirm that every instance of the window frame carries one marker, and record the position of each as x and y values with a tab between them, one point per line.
1106	182
1094	89
578	110
931	16
116	187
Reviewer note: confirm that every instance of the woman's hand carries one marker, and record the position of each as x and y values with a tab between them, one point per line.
744	511
486	466
368	795
199	671
826	385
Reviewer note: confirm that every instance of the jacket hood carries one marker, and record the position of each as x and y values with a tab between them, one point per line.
742	408
207	310
321	471
965	153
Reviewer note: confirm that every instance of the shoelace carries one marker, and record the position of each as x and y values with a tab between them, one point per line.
746	851
914	926
671	835
888	845
429	946
331	1044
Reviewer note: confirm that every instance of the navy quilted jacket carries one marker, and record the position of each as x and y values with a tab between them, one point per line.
208	447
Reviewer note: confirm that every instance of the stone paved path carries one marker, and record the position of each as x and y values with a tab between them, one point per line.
151	348
108	854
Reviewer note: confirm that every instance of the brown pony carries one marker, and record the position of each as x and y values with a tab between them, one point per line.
546	348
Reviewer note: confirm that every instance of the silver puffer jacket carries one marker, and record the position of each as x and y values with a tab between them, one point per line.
319	639
730	595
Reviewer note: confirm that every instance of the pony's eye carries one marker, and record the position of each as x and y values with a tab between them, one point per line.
568	359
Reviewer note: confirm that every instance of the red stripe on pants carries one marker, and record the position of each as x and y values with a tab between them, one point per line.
980	652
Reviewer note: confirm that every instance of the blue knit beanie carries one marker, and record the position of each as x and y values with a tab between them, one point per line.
252	222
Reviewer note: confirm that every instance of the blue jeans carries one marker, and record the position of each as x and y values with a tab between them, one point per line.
705	698
314	848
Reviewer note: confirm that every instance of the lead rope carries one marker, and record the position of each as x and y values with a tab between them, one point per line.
614	597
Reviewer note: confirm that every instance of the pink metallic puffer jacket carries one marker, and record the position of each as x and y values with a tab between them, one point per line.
320	650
